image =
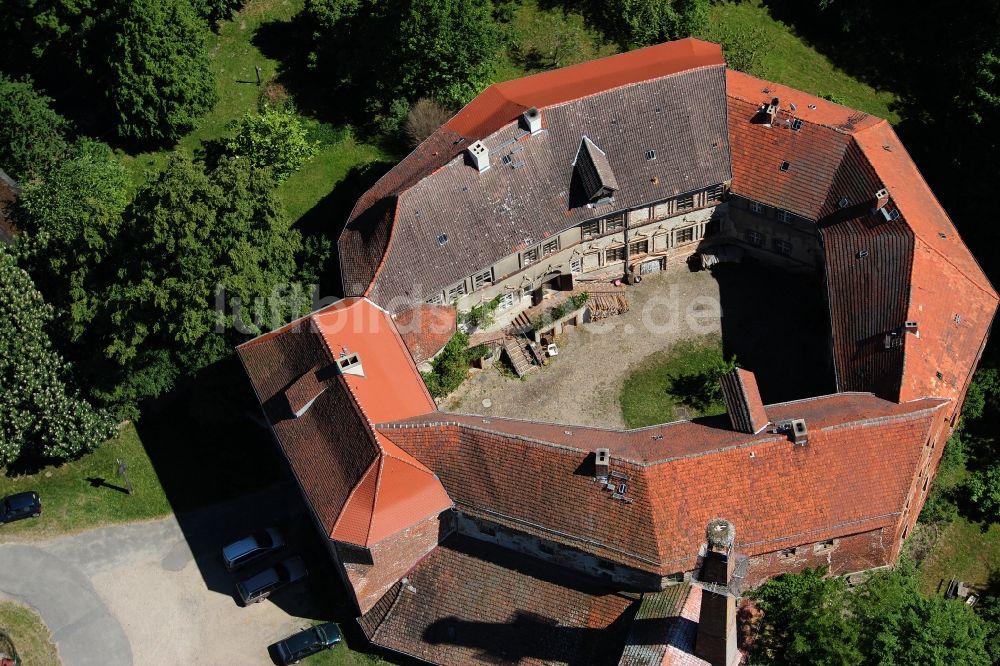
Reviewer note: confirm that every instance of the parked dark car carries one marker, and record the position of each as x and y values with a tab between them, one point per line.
243	551
258	587
306	643
20	505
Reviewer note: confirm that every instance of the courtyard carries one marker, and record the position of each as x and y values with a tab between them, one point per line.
775	323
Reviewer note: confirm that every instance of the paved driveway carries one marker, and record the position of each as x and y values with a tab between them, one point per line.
151	593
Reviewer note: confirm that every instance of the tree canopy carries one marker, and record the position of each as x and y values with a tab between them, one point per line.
815	619
159	79
41	413
274	139
195	237
444	49
71	220
32	135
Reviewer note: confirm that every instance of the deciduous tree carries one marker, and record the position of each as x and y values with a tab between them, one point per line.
41	413
71	220
32	135
160	81
273	139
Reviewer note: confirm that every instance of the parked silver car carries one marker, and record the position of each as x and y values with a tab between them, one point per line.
243	551
258	587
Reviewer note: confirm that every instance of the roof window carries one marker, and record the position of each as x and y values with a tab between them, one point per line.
442	239
350	364
844	202
785	166
650	155
797	124
862	254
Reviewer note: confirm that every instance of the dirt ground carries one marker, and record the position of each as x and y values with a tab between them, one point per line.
775	323
582	383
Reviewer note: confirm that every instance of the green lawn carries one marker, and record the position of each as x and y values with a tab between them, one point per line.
964	550
76	496
30	635
234	57
789	60
658	389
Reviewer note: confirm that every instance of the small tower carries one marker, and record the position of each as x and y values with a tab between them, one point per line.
716	641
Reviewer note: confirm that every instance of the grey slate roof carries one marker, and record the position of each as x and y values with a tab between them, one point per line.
523	199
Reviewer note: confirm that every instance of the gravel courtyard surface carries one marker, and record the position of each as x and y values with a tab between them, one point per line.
156	592
582	383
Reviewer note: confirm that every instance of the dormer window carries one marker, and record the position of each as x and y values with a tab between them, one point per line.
594	172
350	364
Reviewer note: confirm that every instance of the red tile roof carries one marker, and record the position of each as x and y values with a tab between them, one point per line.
468	603
391	234
426	329
503	102
361	486
395	493
914	269
534	477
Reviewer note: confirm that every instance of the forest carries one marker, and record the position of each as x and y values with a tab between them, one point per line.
179	155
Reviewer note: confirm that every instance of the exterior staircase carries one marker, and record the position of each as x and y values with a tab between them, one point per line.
517	351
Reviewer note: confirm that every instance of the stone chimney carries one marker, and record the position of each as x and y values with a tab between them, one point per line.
533	120
480	156
743	403
716	640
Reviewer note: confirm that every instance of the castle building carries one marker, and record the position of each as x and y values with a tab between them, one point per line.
467	538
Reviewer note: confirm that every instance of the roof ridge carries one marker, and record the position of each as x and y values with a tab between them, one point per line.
350	496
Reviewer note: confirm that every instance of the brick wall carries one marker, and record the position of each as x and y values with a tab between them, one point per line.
843	555
558	554
372	572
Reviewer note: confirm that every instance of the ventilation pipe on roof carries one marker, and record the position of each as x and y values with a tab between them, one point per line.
881	198
602	463
480	156
533	120
771	111
350	364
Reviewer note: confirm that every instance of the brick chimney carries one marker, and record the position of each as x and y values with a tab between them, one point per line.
716	640
743	403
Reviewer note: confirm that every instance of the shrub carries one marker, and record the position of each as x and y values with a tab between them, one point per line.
449	368
425	116
31	133
984	491
274	139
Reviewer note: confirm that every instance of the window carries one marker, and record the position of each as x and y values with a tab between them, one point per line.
639	247
756	208
591	229
797	124
713	194
482	279
456	291
506	302
685	235
686	202
526	290
488	530
550	247
789	552
753	237
576	266
529	257
784	216
615	254
650	155
437	299
547	549
782	247
785	166
614	223
824	546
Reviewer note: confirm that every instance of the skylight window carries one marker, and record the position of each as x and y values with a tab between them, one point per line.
797	124
442	239
844	203
650	155
785	166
